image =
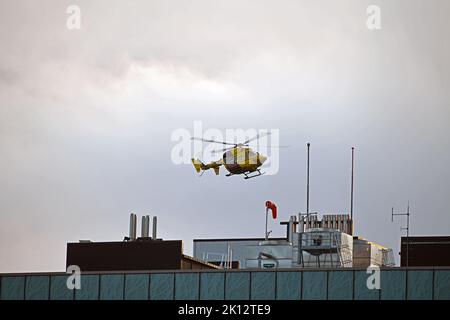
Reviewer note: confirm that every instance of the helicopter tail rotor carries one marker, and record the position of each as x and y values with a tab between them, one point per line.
198	165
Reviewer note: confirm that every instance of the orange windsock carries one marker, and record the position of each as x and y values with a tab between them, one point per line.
270	205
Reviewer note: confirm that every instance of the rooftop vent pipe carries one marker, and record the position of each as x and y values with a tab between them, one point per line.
155	221
133	226
291	228
145	226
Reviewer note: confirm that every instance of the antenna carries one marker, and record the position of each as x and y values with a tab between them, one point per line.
307	180
351	190
407	214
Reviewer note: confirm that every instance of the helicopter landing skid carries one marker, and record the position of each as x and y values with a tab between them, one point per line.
253	176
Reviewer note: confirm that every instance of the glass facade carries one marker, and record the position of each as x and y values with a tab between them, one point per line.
396	284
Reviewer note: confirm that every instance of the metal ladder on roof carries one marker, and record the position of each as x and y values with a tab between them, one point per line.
388	258
206	256
344	252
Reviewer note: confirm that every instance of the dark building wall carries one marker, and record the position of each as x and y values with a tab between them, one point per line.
123	256
426	251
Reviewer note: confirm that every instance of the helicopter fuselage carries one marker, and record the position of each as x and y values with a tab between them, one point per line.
242	159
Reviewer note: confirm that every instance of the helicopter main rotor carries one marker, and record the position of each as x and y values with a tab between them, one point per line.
243	144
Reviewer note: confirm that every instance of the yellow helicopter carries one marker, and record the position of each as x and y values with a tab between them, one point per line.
238	159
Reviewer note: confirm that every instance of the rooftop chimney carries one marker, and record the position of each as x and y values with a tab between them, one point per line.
133	226
154	227
145	226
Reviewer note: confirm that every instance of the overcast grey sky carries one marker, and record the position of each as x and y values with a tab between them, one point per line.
86	117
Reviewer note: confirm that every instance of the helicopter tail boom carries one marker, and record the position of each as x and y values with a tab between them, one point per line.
200	166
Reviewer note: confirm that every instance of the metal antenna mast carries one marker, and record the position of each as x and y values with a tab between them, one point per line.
307	181
351	192
407	214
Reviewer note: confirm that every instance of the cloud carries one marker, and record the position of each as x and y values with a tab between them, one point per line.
86	116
